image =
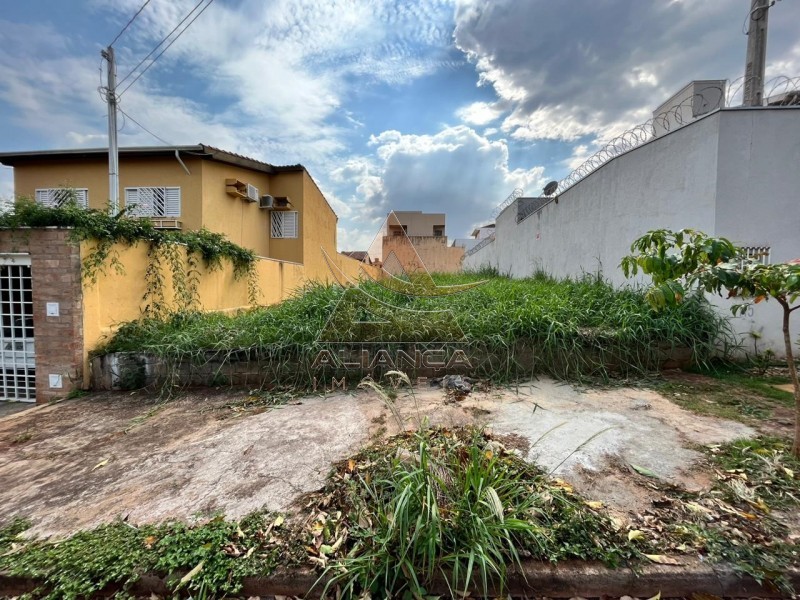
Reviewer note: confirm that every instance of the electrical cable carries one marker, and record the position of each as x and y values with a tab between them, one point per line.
160	139
128	24
180	33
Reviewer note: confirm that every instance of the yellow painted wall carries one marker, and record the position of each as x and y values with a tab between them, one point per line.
290	185
243	222
133	172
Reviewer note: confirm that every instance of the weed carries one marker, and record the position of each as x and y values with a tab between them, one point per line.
210	559
453	504
23	437
77	393
514	328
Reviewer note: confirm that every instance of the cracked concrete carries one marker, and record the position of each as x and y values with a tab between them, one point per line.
94	459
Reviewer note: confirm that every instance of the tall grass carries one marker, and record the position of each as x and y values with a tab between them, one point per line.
513	327
453	506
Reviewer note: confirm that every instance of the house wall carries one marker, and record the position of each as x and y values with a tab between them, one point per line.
290	184
56	277
133	172
243	222
434	253
320	233
417	222
732	173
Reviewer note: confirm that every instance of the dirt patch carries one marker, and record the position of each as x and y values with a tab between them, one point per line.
94	459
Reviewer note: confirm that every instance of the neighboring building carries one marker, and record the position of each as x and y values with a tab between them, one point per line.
359	255
277	211
54	318
479	234
418	240
732	172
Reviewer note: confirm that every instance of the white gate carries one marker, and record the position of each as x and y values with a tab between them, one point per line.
17	357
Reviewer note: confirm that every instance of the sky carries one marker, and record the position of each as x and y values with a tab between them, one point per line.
433	105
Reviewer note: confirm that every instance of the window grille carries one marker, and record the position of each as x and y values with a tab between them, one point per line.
758	253
284	224
153	201
55	197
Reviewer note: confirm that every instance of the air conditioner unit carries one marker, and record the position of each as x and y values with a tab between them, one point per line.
252	193
266	202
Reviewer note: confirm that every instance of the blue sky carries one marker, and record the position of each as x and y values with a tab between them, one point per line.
434	105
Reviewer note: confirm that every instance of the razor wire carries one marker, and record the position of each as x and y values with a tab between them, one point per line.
507	202
678	116
484	242
778	91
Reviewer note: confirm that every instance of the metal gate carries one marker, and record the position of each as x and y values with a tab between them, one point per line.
17	357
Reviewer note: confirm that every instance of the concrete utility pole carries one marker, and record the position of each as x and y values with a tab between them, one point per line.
756	61
113	148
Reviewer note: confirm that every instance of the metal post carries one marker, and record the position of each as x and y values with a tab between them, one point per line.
113	148
755	63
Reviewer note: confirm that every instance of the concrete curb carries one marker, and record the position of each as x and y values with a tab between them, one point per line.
564	580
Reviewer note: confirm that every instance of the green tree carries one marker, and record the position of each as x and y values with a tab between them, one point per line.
688	260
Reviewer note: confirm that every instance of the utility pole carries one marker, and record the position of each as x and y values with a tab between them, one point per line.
113	148
756	61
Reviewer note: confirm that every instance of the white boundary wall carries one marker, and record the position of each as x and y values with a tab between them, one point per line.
733	173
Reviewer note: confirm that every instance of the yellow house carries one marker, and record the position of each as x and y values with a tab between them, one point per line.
277	211
59	317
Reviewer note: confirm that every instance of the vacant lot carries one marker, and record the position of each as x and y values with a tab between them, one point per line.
103	457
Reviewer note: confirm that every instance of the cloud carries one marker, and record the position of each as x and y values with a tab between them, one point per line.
265	79
456	171
479	113
600	67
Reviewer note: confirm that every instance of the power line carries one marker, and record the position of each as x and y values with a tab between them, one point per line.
160	139
128	24
175	39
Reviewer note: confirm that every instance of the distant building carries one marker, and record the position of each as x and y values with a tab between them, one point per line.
417	240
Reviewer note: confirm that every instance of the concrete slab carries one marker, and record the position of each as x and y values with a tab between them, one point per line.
102	457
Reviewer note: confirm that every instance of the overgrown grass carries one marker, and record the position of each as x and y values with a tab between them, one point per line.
452	505
209	560
729	392
513	328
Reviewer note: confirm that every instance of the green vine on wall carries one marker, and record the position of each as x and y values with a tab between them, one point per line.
165	249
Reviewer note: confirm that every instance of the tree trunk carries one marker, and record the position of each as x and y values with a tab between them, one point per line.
787	339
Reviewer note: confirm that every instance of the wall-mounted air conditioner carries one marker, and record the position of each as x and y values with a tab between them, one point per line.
266	202
252	193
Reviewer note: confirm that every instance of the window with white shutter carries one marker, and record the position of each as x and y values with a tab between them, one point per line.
153	201
284	224
55	197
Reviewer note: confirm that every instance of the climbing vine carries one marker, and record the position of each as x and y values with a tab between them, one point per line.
179	251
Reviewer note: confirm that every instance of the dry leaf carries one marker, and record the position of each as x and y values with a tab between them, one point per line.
662	559
595	504
351	465
644	471
102	463
635	534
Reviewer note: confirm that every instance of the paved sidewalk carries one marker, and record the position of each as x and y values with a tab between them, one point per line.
10	408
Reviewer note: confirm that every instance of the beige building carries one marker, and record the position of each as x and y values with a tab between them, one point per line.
418	240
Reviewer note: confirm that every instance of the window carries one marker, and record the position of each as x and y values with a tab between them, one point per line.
284	224
758	253
153	201
438	231
55	197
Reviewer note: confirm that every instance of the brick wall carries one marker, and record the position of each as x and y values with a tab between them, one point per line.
433	252
56	278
